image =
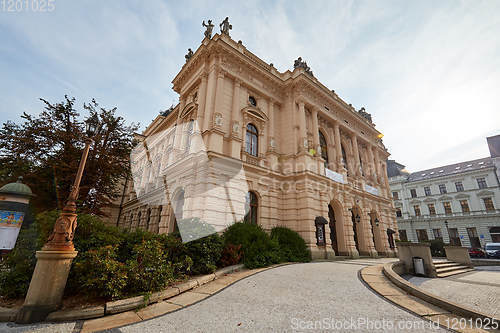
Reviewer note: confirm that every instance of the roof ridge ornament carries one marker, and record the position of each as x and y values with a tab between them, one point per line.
189	55
208	31
225	26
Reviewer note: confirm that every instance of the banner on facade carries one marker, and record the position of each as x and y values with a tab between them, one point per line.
371	189
10	224
335	176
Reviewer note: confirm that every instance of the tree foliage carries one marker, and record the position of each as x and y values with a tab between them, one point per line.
46	149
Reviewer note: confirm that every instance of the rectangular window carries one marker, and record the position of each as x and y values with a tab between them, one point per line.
395	195
416	208
427	191
442	188
422	235
398	212
413	193
465	206
447	208
432	209
473	237
459	186
437	234
403	236
481	183
454	237
488	204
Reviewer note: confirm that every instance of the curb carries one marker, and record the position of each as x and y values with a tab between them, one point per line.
127	304
383	280
431	298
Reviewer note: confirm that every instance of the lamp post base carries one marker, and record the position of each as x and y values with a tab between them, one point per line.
47	285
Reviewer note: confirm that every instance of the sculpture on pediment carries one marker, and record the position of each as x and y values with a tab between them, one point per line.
365	114
188	55
225	26
210	27
302	64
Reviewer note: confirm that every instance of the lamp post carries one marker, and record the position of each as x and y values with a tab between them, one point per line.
54	260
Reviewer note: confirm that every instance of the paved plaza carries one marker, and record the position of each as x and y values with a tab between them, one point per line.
299	297
479	289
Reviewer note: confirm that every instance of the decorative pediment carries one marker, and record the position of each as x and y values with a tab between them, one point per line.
255	112
429	200
445	198
415	202
485	193
188	109
461	196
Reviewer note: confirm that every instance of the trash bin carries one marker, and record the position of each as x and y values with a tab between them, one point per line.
418	266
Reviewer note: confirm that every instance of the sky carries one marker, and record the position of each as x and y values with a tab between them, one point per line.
427	71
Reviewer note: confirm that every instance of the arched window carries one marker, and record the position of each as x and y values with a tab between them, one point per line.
252	204
189	134
252	140
361	165
324	148
344	157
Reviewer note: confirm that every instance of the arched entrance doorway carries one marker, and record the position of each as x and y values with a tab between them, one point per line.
333	229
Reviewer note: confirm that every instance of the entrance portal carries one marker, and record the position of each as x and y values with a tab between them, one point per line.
333	230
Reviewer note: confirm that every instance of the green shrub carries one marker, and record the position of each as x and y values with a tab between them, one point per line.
292	247
149	269
437	248
98	273
259	250
231	255
18	266
205	253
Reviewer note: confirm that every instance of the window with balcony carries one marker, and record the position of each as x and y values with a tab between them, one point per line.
459	186
481	182
465	206
413	193
488	204
395	195
416	208
427	191
432	209
252	140
442	188
447	207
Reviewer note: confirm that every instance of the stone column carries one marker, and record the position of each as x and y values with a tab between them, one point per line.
338	147
270	128
315	130
209	101
202	98
372	163
236	122
355	151
377	168
302	128
153	220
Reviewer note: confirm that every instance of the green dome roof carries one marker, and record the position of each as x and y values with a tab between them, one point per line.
17	188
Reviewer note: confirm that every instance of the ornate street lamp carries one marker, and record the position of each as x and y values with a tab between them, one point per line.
377	222
357	218
54	260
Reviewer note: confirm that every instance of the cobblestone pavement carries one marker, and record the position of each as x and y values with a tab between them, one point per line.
300	297
479	289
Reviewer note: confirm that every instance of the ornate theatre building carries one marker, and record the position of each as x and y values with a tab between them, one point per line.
302	157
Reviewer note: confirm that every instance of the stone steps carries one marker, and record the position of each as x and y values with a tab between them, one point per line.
449	268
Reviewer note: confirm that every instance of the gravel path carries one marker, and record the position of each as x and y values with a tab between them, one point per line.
301	297
479	289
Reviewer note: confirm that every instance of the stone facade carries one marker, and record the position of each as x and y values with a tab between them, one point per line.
222	89
458	203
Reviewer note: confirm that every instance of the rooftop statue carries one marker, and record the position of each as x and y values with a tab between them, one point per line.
302	64
225	26
365	114
188	55
210	27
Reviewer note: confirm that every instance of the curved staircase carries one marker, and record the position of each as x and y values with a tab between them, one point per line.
445	268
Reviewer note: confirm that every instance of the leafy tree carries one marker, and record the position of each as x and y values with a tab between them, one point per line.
46	150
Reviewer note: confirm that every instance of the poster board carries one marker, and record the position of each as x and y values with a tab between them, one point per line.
10	224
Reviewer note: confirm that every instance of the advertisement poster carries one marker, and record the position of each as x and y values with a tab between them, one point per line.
10	224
